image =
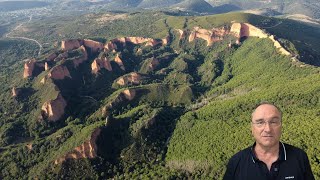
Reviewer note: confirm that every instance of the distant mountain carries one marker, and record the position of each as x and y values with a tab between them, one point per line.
226	8
157	4
306	7
264	12
18	5
194	5
123	3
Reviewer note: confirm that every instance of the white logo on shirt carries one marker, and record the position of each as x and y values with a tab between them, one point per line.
289	177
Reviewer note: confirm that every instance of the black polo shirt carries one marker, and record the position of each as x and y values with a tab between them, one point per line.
292	164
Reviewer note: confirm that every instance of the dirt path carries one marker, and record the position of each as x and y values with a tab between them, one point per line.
273	25
25	38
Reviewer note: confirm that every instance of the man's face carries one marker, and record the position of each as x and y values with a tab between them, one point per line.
266	125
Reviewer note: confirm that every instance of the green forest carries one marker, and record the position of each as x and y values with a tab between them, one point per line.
189	113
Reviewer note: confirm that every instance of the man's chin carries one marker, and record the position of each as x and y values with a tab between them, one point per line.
269	143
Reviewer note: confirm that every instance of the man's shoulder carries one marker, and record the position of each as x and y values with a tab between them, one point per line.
290	149
241	154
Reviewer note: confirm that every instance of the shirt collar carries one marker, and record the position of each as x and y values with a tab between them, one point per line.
282	153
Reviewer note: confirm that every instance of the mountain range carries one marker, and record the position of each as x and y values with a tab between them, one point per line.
309	8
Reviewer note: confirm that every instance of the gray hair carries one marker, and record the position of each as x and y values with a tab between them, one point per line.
268	103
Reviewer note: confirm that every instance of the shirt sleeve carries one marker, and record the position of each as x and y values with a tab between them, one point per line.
231	168
308	172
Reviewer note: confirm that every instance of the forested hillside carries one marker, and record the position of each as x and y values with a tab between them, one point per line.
149	95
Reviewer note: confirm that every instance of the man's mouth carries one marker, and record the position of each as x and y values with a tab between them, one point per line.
267	136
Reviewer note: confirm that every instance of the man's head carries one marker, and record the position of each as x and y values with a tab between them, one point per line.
266	124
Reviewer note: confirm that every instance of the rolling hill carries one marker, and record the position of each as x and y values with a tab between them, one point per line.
200	6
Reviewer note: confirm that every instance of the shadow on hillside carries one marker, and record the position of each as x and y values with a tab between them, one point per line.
117	143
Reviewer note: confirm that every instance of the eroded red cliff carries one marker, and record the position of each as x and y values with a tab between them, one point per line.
129	93
119	62
182	34
28	68
246	30
53	110
111	45
279	47
86	150
97	64
93	45
132	78
71	44
81	59
15	91
211	36
59	72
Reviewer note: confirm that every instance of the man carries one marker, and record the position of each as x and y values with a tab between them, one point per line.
268	158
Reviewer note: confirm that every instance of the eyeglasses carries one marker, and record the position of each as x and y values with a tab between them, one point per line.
260	124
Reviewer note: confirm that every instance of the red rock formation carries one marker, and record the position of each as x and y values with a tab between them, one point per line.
84	57
53	110
59	72
46	66
210	36
29	146
15	91
110	46
166	40
43	80
125	95
28	68
137	40
236	29
279	47
153	42
97	64
119	62
93	45
134	40
129	94
121	40
182	34
139	50
86	150
71	44
132	78
245	30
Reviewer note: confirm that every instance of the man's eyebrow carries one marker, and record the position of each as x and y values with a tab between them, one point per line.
258	120
276	118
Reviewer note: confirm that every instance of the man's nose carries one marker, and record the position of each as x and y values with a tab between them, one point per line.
267	127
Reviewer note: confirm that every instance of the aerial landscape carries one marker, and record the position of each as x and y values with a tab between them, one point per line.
146	89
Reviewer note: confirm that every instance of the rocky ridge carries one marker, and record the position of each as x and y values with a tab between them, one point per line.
88	149
60	72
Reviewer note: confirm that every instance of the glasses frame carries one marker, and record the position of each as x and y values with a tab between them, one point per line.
272	123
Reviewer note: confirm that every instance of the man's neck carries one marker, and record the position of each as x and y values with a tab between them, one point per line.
267	154
264	150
